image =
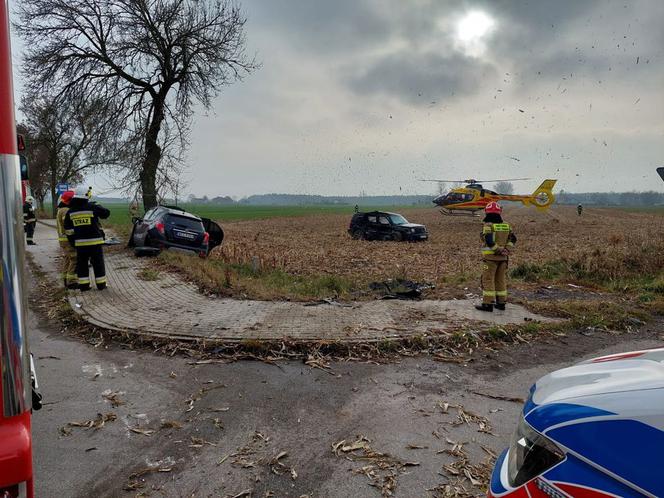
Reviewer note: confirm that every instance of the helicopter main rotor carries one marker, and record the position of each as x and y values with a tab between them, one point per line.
471	180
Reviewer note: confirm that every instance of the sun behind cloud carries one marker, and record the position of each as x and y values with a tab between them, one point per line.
472	31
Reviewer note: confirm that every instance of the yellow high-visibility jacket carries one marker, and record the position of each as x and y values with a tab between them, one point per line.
60	224
496	236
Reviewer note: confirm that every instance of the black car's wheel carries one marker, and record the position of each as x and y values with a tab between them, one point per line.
397	236
358	234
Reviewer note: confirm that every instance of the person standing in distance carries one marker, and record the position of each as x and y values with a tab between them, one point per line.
29	220
83	229
498	240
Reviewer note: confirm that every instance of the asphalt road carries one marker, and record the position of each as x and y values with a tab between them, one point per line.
233	420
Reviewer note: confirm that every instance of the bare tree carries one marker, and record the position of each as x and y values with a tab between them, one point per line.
152	58
504	187
65	141
442	187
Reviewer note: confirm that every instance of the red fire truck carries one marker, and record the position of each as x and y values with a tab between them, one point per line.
15	377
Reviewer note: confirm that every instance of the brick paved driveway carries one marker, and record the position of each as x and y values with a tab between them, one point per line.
170	307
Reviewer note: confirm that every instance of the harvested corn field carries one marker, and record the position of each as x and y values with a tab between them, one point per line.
609	248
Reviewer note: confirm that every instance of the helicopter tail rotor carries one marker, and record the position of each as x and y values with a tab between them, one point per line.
543	197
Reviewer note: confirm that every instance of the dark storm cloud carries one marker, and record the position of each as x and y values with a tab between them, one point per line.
537	15
419	78
355	30
323	26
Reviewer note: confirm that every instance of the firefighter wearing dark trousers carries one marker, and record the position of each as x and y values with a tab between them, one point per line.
68	252
29	220
579	209
83	229
498	240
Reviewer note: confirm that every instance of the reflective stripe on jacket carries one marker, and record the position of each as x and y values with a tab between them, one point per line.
496	236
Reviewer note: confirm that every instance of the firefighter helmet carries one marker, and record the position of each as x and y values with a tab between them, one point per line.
81	193
66	196
493	207
29	199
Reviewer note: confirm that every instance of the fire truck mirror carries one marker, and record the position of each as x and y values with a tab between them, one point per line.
25	173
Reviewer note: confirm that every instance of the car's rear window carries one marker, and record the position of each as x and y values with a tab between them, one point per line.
184	222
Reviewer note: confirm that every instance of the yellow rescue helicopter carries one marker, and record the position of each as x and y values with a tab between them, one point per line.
474	197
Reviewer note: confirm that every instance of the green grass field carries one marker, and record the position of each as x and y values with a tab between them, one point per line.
120	212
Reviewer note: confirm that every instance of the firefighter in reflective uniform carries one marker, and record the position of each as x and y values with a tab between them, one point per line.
498	240
29	219
69	253
83	229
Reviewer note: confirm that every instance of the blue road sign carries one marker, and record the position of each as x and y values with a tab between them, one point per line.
61	187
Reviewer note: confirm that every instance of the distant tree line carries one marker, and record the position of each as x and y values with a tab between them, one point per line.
589	198
314	200
649	198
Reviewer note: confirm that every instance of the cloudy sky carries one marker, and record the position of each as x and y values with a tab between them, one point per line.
373	95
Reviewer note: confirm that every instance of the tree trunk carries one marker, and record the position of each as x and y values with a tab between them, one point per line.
54	180
40	199
148	174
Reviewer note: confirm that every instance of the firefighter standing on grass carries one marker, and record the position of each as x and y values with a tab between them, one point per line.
29	220
498	240
69	253
83	229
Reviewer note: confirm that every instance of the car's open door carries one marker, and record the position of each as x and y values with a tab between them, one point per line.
215	231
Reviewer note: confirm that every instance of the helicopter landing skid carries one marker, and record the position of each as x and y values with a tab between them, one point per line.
449	212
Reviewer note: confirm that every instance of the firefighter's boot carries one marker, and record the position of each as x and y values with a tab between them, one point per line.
484	307
500	306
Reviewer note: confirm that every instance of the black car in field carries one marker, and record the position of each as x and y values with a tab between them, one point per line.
168	227
380	225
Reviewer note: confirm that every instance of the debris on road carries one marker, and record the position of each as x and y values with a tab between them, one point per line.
501	398
246	492
96	423
198	442
113	397
331	302
170	424
136	481
279	468
382	469
256	453
463	472
467	417
318	361
144	432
